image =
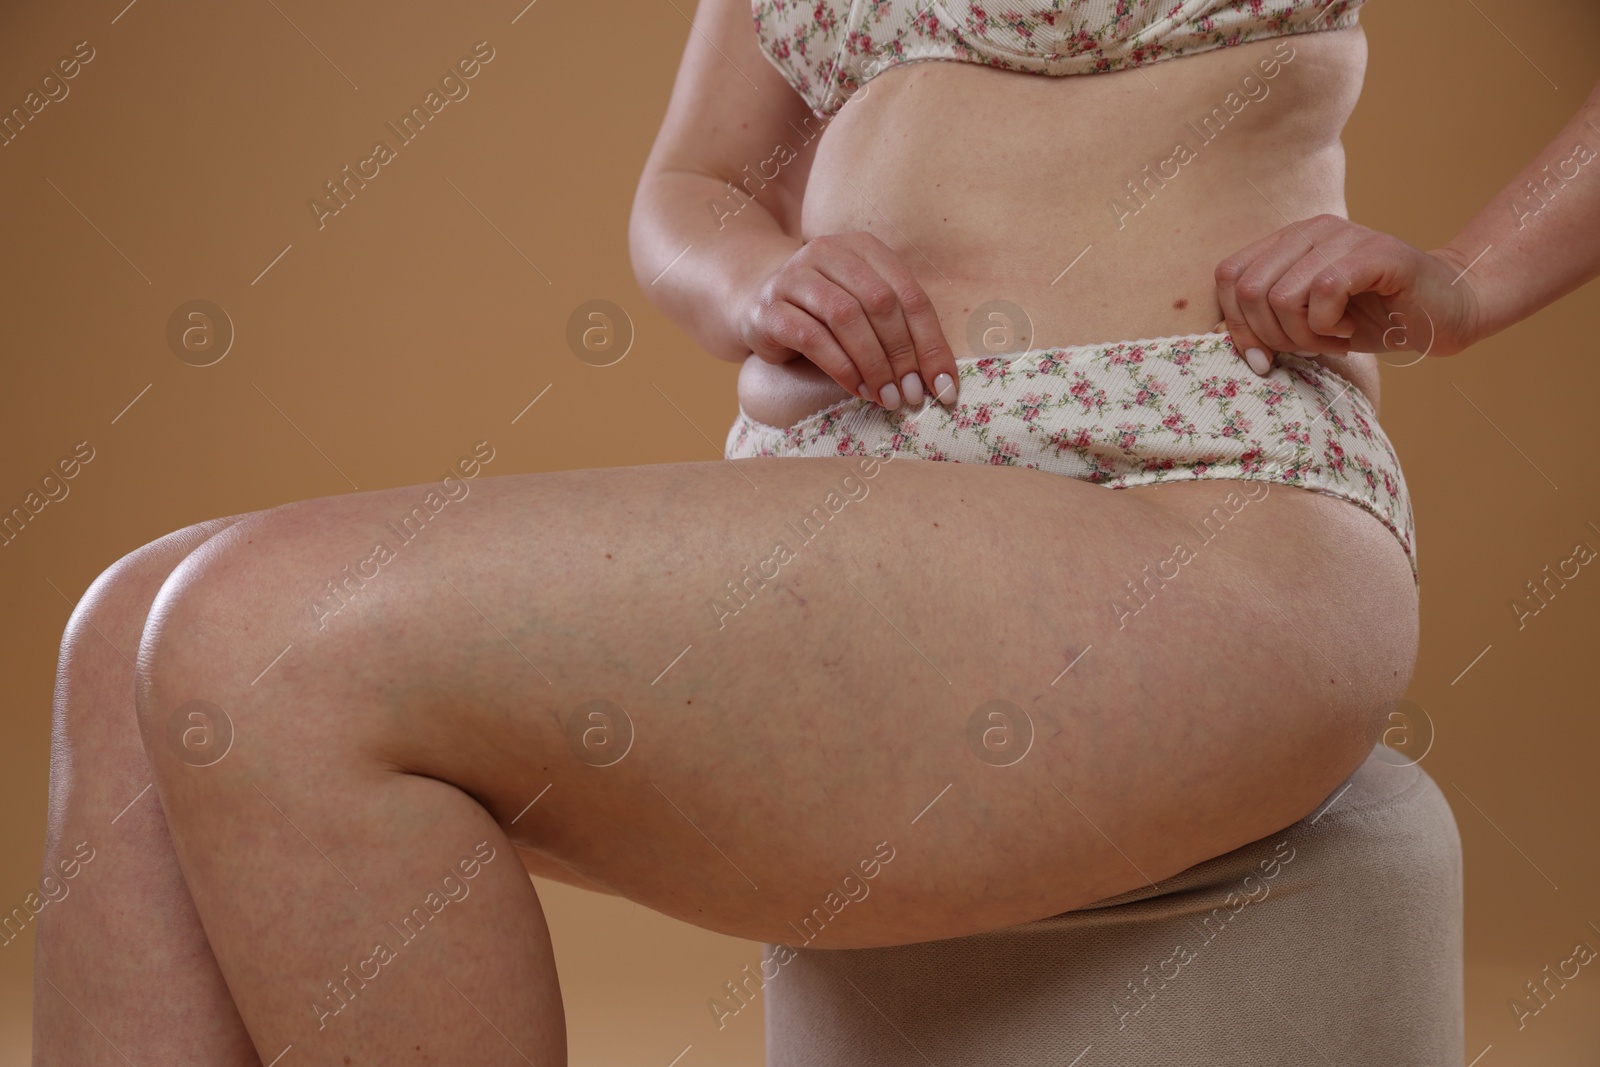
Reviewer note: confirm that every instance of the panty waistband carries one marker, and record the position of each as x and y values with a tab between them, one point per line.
1125	413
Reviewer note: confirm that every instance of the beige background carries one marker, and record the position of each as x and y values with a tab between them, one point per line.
408	328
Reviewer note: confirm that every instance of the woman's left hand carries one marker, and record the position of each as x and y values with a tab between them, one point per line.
1327	286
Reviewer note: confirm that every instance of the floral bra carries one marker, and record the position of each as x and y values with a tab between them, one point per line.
828	49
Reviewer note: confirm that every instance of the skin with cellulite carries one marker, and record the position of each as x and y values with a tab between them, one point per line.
436	716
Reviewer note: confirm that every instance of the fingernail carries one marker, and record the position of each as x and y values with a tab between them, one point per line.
913	388
944	387
890	396
864	392
1258	361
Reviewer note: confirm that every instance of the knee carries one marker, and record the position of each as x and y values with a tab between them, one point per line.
100	643
184	628
230	645
116	602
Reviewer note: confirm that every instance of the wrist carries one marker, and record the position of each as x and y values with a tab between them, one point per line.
742	275
1475	321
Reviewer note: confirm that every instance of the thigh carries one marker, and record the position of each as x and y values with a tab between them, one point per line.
983	693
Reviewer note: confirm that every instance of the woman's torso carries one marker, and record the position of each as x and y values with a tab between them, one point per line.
995	185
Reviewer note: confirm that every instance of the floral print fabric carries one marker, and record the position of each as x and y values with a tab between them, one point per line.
1129	413
828	49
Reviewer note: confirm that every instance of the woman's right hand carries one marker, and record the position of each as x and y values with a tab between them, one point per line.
846	302
1328	286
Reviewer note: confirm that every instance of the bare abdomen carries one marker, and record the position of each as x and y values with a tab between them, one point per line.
1098	205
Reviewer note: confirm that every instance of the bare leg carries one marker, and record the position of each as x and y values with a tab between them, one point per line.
352	855
122	969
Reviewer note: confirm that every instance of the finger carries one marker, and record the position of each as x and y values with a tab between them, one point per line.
842	314
1310	298
784	332
1373	265
935	360
1227	275
891	338
769	331
1254	290
1328	294
1290	300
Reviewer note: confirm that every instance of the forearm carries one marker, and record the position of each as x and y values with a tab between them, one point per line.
1539	238
732	243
